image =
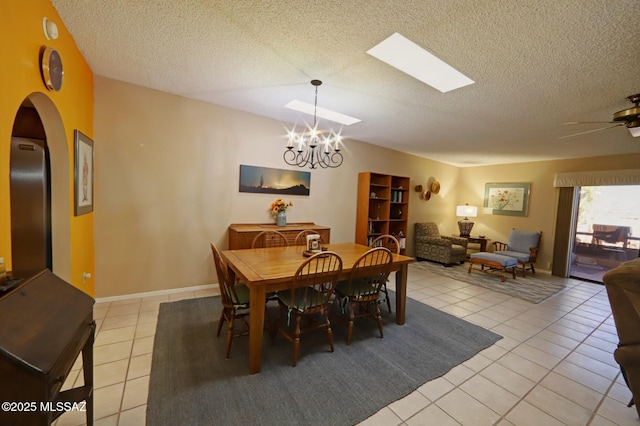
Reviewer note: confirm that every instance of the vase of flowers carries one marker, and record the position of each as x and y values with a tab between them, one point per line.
279	210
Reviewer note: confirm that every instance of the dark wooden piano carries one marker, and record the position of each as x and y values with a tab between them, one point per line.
45	323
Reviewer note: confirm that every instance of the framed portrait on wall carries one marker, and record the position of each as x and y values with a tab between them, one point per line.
83	174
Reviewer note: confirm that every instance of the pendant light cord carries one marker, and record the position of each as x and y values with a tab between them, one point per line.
315	109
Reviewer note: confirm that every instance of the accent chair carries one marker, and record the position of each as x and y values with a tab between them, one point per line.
523	245
430	245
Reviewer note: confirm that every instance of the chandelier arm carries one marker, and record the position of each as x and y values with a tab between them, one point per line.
294	158
337	163
303	159
332	160
326	161
322	162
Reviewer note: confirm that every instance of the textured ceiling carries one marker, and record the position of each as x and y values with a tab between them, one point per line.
537	64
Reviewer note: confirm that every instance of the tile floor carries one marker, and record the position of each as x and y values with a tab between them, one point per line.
554	365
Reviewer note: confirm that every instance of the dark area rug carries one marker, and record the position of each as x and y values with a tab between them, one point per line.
192	383
532	288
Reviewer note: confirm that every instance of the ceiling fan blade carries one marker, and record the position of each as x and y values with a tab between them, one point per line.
590	122
591	131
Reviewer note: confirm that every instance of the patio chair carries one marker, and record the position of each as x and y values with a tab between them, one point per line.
611	235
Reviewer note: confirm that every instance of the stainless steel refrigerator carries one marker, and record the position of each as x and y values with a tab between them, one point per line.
30	205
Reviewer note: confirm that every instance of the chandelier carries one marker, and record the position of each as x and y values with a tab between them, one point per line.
312	147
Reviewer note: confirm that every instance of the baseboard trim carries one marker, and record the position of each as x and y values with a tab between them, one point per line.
155	293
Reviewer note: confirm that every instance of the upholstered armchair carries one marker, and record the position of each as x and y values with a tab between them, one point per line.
623	289
522	245
430	245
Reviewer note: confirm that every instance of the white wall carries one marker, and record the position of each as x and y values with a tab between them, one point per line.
166	184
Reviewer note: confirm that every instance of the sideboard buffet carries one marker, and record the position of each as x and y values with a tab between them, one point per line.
242	234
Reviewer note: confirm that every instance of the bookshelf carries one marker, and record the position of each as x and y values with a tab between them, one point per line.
383	206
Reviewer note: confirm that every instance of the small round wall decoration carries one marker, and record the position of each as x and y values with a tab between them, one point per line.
426	195
435	187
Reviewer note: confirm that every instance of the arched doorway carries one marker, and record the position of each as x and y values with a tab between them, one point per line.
50	122
30	193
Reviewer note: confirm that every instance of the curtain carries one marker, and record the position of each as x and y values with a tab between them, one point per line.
565	230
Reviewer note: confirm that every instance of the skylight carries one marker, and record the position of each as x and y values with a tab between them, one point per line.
403	54
327	114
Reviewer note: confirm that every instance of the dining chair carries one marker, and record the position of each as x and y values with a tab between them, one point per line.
390	242
267	239
235	301
301	238
309	294
362	289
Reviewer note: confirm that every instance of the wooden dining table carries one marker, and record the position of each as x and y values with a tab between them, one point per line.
265	270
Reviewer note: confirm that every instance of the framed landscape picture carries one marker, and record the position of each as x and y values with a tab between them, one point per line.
508	199
267	180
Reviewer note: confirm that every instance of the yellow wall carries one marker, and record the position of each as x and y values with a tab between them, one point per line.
72	108
543	198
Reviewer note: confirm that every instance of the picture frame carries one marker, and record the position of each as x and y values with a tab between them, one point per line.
507	199
313	243
83	174
267	180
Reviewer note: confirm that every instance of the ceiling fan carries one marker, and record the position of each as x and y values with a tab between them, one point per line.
630	118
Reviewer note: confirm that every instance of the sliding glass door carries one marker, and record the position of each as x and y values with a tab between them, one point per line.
607	230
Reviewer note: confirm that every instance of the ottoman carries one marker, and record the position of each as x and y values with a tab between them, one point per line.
494	263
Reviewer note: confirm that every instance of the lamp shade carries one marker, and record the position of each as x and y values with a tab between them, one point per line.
467	211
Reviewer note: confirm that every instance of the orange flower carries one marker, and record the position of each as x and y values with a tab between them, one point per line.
280	205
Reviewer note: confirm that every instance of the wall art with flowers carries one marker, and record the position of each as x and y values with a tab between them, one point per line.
509	199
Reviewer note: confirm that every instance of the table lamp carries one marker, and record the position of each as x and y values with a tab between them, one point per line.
465	224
